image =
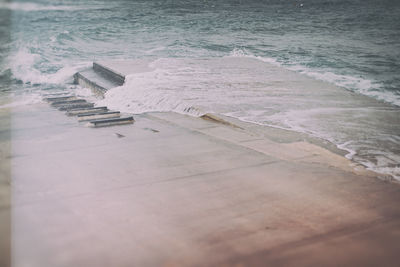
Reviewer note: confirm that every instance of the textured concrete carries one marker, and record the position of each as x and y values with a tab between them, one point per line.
5	192
173	190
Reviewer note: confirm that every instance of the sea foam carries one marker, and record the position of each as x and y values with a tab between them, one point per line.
28	6
361	85
23	65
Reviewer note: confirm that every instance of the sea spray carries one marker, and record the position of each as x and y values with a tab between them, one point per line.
25	67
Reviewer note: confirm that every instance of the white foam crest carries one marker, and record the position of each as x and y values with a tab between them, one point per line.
341	80
346	81
246	90
152	91
238	52
85	93
383	169
241	52
387	96
381	161
181	84
66	73
22	65
28	6
361	85
156	49
23	100
345	147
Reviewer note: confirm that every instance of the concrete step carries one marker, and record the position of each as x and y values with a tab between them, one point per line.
100	78
83	111
110	122
95	81
108	73
68	107
60	98
104	75
67	102
100	115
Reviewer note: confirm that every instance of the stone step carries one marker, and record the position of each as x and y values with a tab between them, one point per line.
97	116
59	98
68	102
94	81
110	122
99	78
68	107
82	111
109	73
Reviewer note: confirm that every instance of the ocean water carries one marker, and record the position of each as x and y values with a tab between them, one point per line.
223	56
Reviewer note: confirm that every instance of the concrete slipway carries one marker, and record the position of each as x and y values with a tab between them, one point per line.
174	190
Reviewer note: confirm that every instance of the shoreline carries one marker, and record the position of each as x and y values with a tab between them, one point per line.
296	142
290	101
276	133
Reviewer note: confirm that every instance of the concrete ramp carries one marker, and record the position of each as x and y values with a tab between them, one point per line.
177	190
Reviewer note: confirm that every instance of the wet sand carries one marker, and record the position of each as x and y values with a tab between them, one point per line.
174	190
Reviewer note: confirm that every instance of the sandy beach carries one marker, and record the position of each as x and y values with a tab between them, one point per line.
174	190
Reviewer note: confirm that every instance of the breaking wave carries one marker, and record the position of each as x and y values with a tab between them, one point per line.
24	66
358	84
27	6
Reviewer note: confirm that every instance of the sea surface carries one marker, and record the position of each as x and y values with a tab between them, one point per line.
216	56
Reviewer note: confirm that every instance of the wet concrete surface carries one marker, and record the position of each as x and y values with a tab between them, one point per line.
173	190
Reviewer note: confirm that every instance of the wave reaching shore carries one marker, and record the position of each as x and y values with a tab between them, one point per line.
254	91
215	57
